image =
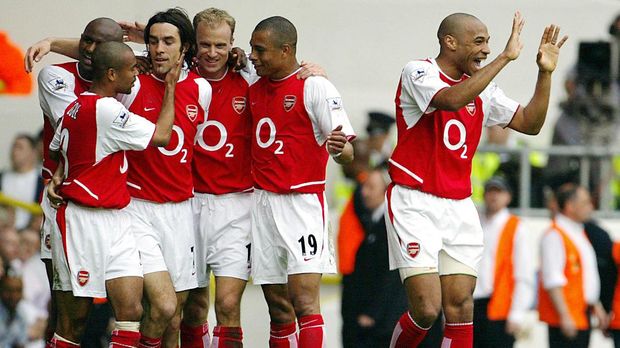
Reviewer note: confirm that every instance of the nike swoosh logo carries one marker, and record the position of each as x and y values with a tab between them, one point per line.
149	109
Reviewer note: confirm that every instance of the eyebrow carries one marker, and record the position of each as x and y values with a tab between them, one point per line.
163	38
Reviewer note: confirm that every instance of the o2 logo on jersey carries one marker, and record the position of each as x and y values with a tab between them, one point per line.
460	144
289	102
238	104
83	277
200	138
471	108
179	148
413	249
192	112
266	121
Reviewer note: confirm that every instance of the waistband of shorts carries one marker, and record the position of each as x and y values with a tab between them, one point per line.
230	195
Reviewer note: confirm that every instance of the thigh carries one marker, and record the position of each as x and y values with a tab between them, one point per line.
158	288
266	254
463	237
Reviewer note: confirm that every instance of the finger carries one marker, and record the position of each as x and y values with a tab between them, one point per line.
339	128
545	35
562	41
556	33
521	25
28	61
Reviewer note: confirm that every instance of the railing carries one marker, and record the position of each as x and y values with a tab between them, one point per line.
586	155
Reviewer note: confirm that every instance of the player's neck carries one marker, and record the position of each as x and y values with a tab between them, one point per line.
448	67
285	71
102	89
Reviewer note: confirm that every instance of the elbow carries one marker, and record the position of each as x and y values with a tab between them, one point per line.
160	141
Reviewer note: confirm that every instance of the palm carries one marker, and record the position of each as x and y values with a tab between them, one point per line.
549	49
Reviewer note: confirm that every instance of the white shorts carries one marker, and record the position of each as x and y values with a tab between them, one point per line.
165	236
95	245
47	227
223	226
419	225
289	236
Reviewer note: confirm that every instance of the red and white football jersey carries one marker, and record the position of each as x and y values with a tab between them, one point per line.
291	120
435	147
92	137
161	174
222	151
59	86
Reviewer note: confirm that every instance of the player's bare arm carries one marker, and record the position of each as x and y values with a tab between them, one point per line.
66	46
529	120
459	95
339	147
52	188
163	128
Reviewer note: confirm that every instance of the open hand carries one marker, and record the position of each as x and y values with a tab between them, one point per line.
549	49
514	44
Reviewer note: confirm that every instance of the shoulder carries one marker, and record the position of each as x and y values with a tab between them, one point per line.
55	77
319	83
419	68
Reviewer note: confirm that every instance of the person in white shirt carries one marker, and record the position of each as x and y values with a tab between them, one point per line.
505	284
570	284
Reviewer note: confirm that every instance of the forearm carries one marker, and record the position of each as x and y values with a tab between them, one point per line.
522	300
66	46
163	127
459	95
557	298
535	111
346	156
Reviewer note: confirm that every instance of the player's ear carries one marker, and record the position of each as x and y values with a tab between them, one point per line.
450	42
111	74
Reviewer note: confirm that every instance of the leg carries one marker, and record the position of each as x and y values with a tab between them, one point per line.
194	326
125	294
304	294
283	332
228	292
161	303
424	295
458	306
73	312
171	334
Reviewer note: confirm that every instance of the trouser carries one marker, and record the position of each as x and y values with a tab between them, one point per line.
489	333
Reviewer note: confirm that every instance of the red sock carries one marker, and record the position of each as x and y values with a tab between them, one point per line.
312	331
195	336
407	333
227	336
458	335
56	342
124	339
148	342
283	335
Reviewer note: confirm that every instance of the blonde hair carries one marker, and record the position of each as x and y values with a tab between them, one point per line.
213	17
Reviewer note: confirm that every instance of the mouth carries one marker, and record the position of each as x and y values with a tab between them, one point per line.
87	59
478	62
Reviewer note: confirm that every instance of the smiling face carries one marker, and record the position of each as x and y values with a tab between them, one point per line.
213	45
126	75
266	57
165	48
472	46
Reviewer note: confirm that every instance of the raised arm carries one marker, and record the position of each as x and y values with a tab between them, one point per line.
529	120
163	127
459	95
66	46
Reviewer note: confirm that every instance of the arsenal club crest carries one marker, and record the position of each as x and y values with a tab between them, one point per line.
238	104
289	102
471	108
192	112
413	249
83	277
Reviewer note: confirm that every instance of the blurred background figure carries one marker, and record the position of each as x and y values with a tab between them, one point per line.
570	284
36	288
13	79
20	324
9	248
22	182
505	287
379	140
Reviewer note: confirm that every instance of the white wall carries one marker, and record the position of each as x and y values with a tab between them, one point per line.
363	44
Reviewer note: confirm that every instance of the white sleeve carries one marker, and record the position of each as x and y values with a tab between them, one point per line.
204	95
498	108
553	260
420	79
325	108
524	275
56	91
55	143
124	129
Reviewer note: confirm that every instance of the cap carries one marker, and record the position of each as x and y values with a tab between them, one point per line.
379	123
497	182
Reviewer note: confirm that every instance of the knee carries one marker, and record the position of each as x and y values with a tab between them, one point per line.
459	308
425	313
281	310
305	304
131	312
196	310
227	307
163	310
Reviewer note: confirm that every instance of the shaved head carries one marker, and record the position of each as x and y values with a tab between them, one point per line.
281	29
455	24
106	28
108	55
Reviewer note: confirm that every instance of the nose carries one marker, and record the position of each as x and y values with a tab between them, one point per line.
253	56
90	48
159	46
486	49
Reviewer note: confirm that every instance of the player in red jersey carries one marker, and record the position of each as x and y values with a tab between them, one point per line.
99	255
296	125
59	85
435	238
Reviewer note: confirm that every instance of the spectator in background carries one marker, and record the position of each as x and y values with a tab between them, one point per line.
36	288
505	284
379	144
9	248
23	182
570	285
19	322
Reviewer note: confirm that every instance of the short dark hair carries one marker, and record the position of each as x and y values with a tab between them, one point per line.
108	55
566	193
29	139
177	17
283	30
